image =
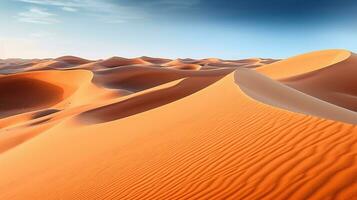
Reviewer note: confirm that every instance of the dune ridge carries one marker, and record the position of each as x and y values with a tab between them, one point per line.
304	63
341	91
279	95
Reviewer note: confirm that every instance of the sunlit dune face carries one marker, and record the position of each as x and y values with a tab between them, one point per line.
22	94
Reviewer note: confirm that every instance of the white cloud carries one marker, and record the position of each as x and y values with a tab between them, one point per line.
69	9
63	3
110	12
37	16
88	5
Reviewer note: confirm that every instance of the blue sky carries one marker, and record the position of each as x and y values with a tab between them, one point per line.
229	29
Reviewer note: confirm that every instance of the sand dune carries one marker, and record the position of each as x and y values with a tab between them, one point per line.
215	62
193	62
277	94
304	63
148	128
118	61
187	66
177	62
73	60
147	100
11	66
155	60
22	94
31	91
137	78
327	75
335	84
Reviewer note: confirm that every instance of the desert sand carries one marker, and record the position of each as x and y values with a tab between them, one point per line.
155	128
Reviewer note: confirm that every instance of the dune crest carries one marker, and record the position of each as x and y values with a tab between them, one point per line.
335	84
304	63
274	93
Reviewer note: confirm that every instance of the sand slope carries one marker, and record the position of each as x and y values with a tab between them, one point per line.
196	135
335	84
279	95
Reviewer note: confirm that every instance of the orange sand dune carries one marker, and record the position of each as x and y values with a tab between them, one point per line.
23	93
54	64
330	78
11	66
43	65
188	61
63	62
277	94
335	83
214	62
209	156
137	78
17	62
73	60
147	100
304	63
148	130
268	61
155	60
27	98
211	60
187	66
118	61
175	62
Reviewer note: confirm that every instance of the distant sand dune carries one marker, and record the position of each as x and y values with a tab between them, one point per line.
118	61
187	67
155	60
73	60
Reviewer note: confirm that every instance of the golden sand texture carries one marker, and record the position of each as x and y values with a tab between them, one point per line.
156	131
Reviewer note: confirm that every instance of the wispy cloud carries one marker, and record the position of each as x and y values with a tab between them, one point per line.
69	9
108	12
38	16
64	3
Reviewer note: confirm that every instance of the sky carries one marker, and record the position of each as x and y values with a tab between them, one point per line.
230	29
